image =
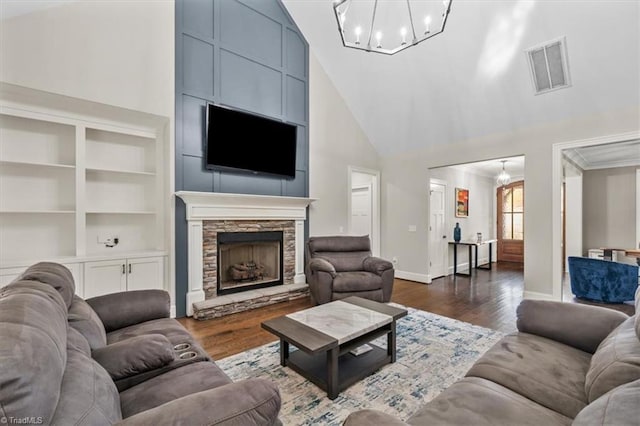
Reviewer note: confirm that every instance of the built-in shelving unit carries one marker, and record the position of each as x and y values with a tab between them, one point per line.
72	182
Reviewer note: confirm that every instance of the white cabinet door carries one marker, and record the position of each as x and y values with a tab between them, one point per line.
145	273
108	276
9	274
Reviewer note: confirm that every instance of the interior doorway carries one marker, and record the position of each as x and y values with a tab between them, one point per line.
510	220
596	195
479	179
364	205
437	232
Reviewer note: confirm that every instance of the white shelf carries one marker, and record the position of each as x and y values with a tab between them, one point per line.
73	174
120	212
110	151
127	172
17	211
37	164
71	179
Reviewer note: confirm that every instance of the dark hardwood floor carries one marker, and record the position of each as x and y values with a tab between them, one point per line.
488	299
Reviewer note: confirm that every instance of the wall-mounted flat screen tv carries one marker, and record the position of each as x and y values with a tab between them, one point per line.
241	142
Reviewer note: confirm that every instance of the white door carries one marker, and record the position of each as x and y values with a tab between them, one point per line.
361	210
437	233
104	277
145	273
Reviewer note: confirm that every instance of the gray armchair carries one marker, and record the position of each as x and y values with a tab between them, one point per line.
342	266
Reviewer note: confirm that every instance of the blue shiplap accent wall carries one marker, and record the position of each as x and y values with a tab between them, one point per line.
249	55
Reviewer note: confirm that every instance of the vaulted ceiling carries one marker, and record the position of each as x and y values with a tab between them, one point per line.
474	80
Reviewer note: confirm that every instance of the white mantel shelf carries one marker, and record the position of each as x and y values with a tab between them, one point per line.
214	205
202	206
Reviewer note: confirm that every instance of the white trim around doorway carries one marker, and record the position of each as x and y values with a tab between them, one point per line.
556	182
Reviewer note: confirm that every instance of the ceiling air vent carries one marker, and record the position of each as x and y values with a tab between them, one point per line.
549	67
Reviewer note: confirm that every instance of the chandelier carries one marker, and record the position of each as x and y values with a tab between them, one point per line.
503	178
389	26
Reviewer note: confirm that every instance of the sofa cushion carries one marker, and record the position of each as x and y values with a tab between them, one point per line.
55	275
171	385
620	406
615	362
126	308
77	341
346	261
168	327
251	402
339	243
547	372
33	349
174	332
375	295
478	402
135	355
87	395
356	281
84	319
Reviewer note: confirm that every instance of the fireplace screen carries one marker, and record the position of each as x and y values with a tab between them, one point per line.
249	260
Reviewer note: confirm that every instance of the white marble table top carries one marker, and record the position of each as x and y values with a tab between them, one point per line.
341	320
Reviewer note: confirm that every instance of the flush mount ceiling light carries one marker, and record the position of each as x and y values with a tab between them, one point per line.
389	26
503	178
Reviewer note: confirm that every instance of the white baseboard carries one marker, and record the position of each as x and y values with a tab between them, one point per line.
412	276
539	296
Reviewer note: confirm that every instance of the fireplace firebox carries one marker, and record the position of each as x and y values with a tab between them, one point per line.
249	260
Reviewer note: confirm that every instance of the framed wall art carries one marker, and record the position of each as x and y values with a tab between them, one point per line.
462	202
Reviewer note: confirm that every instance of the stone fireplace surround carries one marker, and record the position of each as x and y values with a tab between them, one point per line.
211	229
241	211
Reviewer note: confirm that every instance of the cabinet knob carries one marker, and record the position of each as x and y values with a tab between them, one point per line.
129	268
123	270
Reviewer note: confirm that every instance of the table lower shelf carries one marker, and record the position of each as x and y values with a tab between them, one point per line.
351	368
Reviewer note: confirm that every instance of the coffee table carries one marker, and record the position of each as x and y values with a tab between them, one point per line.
325	335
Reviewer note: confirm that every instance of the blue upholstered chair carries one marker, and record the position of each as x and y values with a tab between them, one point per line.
602	280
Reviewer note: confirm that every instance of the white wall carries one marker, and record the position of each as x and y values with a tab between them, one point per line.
609	197
119	53
573	212
336	142
405	176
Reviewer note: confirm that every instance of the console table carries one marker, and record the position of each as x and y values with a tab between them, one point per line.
472	245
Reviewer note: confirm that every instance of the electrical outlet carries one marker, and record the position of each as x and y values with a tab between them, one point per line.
108	241
394	260
341	230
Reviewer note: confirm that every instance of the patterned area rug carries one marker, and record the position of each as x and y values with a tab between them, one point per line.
433	352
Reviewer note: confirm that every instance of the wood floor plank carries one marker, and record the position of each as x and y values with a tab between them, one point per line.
488	299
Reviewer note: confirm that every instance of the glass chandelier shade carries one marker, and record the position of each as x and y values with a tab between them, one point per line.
389	26
503	178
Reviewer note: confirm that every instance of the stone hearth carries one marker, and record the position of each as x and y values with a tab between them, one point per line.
208	213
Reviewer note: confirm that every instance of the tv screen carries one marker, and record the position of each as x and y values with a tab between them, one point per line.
242	142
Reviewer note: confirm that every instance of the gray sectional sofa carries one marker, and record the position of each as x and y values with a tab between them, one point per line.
567	364
114	359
